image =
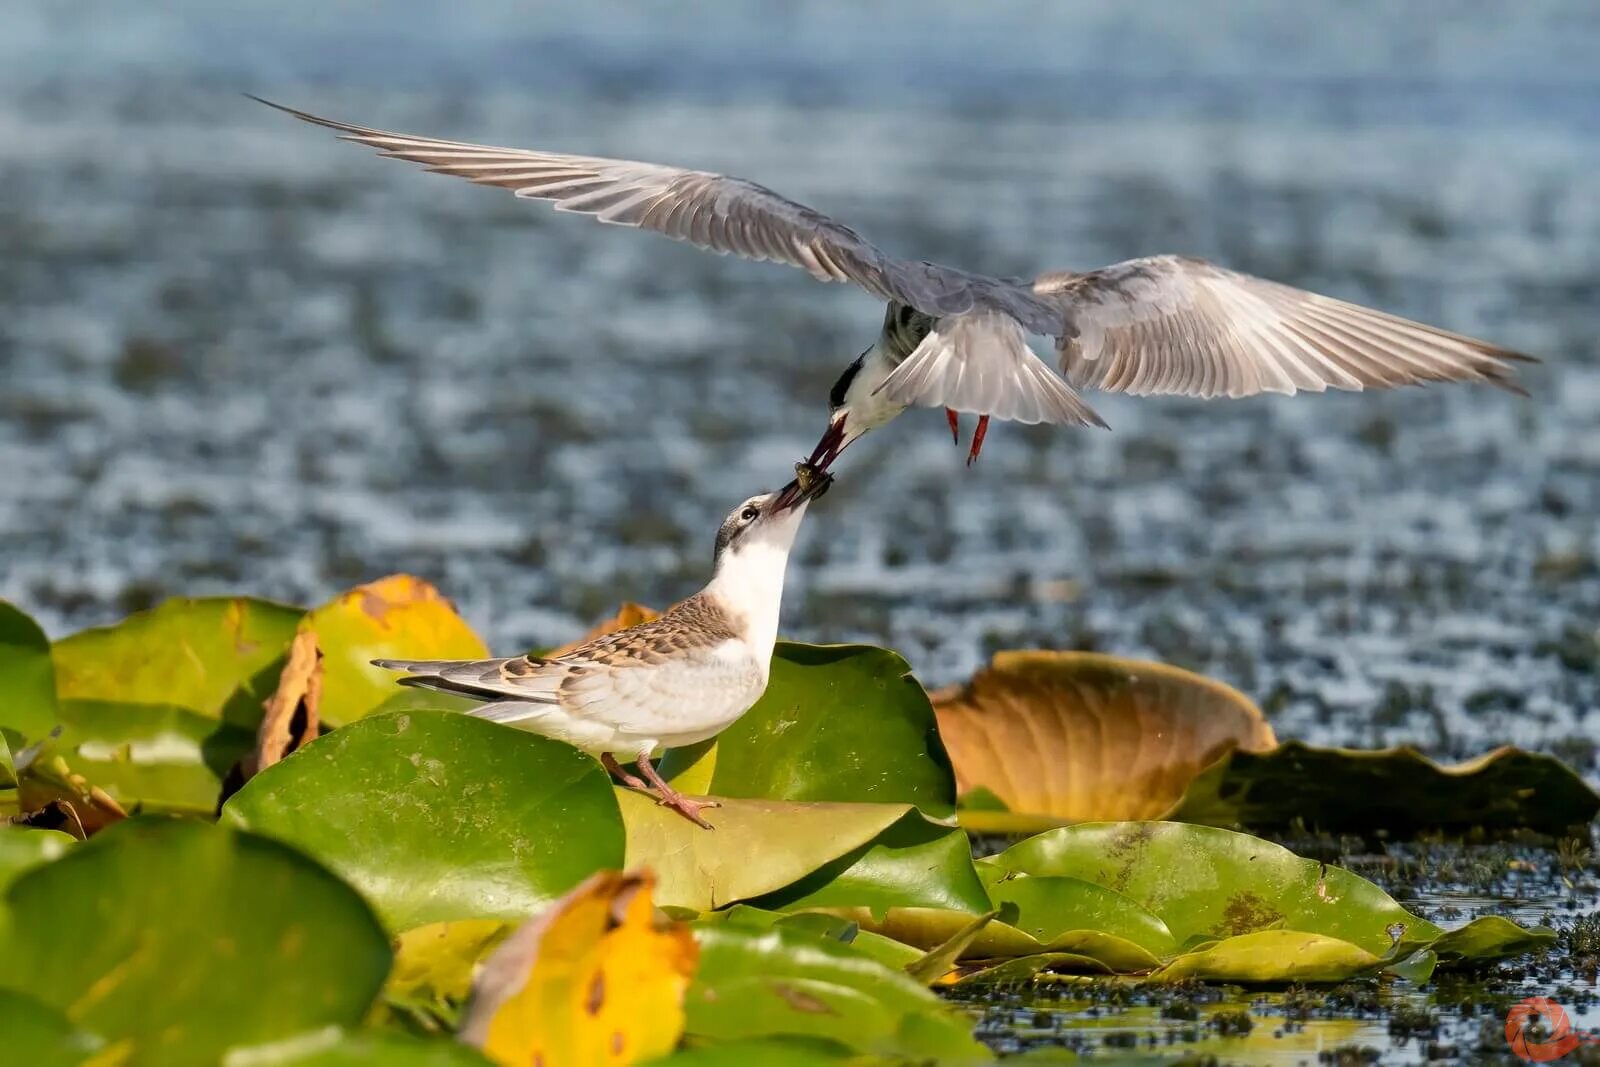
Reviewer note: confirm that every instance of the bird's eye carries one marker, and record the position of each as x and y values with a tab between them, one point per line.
749	514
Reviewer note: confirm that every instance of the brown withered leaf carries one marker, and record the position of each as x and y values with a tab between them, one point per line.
291	718
629	614
1077	735
50	794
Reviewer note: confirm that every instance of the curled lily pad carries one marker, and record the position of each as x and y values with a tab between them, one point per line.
1078	735
844	723
437	816
928	928
27	676
176	941
1491	937
397	617
1206	883
1395	789
1272	956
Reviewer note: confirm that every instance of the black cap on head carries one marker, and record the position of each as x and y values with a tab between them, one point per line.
842	386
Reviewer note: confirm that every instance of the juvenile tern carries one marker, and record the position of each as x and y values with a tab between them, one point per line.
678	679
953	339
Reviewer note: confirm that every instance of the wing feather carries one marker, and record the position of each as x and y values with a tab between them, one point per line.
716	212
1173	325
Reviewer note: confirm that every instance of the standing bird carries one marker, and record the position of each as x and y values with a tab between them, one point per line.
957	340
675	680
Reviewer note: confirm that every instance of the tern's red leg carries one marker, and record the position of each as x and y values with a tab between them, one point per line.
955	425
977	439
670	798
632	781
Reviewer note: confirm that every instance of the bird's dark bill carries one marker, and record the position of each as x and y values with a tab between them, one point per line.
828	448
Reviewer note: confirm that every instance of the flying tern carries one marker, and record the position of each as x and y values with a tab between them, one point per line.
957	340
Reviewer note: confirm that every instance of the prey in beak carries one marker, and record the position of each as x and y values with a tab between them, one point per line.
809	483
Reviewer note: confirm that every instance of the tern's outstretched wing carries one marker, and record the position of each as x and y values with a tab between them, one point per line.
1169	324
712	211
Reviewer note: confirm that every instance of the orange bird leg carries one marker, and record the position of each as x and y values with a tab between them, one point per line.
977	439
955	425
632	781
669	797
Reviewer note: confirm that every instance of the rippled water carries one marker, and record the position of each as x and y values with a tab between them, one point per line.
241	356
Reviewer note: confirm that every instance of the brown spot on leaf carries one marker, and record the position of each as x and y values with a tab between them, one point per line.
800	1000
372	603
597	994
1124	848
1245	913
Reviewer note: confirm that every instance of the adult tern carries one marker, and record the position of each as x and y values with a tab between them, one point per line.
957	340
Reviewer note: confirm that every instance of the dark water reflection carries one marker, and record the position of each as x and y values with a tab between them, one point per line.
239	356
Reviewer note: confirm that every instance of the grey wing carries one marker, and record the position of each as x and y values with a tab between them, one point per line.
1170	324
712	211
512	678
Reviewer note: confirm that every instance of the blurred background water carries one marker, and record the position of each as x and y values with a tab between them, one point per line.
240	356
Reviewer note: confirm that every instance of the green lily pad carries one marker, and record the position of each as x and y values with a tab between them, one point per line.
1206	883
768	1052
27	676
941	959
155	757
398	617
179	940
841	723
1491	937
783	982
331	1048
1396	789
436	816
36	1034
1051	908
1024	968
218	658
885	950
1272	956
927	928
758	846
22	850
913	863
